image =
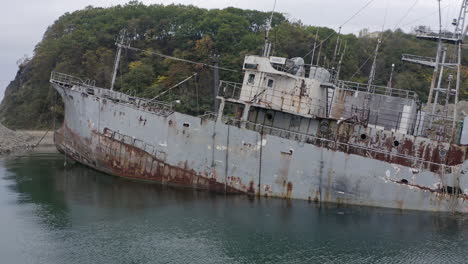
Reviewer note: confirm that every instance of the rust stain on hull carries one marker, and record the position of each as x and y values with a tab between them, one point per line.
408	151
127	161
440	191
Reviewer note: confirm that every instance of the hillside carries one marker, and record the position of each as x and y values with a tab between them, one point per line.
82	43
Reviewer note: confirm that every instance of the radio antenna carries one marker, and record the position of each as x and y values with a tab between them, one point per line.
267	48
120	43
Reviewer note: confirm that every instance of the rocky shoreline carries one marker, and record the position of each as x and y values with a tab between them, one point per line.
16	141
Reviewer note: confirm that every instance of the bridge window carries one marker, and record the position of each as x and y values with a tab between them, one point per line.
251	78
270	83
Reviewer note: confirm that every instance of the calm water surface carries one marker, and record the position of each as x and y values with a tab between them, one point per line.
52	214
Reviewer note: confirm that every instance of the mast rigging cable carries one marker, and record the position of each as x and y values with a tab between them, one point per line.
346	22
177	59
383	37
163	93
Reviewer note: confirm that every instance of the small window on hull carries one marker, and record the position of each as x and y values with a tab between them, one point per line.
270	83
251	78
250	66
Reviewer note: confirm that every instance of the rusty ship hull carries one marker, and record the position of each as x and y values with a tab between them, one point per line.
118	135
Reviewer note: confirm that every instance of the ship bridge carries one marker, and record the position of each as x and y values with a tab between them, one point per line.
283	90
280	84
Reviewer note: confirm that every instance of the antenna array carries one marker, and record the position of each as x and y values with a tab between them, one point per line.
439	63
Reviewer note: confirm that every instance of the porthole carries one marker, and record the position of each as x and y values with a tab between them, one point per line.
324	127
363	136
396	143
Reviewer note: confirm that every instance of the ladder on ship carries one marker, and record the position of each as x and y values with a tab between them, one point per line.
330	98
330	95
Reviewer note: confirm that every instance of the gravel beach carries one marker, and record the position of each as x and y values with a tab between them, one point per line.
12	141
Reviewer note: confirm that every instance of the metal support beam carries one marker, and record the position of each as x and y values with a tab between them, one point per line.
220	111
117	57
245	114
457	91
374	66
434	75
215	58
439	83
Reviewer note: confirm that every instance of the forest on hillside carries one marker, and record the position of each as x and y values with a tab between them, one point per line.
82	44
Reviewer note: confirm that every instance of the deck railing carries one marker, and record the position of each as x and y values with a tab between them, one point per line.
430	126
376	89
65	79
274	98
307	138
88	87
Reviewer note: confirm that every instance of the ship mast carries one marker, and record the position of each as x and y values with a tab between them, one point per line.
374	65
376	53
460	31
440	48
338	70
336	46
267	48
315	47
120	45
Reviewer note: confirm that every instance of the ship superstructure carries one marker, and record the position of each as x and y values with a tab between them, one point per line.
296	132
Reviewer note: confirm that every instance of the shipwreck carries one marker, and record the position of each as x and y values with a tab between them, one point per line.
297	132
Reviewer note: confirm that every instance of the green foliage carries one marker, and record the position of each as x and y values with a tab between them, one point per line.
82	43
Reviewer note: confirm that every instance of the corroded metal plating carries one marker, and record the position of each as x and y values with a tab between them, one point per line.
405	150
125	160
338	162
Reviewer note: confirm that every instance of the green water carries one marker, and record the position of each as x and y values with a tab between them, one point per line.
52	214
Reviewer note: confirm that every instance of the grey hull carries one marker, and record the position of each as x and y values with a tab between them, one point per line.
177	149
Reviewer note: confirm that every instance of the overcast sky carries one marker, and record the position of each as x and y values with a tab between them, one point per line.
23	22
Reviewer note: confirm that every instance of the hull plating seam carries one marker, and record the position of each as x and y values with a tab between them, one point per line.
121	159
333	165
